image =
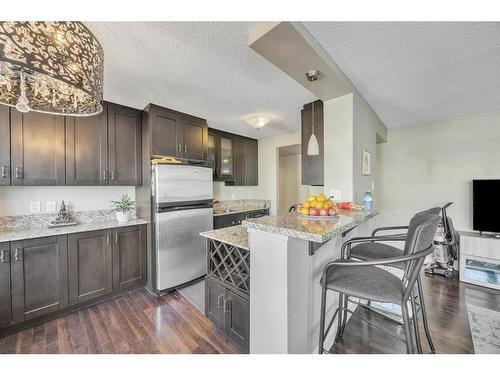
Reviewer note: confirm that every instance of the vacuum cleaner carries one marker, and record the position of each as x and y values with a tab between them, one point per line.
445	254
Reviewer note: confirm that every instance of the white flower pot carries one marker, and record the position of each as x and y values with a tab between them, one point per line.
123	217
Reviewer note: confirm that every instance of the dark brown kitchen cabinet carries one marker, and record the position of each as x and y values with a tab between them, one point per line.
90	266
129	257
176	134
4	145
87	150
246	161
39	277
312	166
5	299
229	311
221	155
124	145
37	149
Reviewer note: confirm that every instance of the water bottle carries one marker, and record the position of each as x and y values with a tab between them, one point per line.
368	201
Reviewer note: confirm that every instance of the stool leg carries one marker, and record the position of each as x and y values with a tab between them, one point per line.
344	315
406	326
415	324
339	318
322	320
424	315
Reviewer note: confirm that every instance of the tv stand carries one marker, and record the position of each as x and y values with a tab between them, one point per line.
480	259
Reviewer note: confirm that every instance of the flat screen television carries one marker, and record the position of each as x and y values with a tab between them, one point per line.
486	205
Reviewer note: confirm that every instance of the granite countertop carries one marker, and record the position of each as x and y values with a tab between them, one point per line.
239	206
315	230
237	211
236	236
28	233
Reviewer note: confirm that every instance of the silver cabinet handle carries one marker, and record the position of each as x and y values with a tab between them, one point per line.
179	148
185	149
17	255
116	237
4	171
219	299
227	305
113	175
2	256
19	173
108	239
104	175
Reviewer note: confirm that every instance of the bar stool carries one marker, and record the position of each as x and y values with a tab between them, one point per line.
362	280
372	250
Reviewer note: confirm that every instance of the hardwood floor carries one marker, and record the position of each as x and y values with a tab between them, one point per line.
140	323
133	323
448	320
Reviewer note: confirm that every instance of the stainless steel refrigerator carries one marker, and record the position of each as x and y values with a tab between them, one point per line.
183	197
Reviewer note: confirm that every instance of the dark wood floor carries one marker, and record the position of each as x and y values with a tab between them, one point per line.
140	323
448	320
133	323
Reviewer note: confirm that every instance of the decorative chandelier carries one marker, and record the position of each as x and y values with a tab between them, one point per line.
51	67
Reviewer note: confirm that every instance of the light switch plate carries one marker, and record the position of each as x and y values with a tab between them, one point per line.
35	207
336	194
51	206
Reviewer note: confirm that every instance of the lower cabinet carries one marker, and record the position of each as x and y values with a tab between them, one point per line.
90	267
229	311
48	275
38	277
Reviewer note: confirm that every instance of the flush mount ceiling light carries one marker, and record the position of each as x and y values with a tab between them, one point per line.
51	67
258	120
312	145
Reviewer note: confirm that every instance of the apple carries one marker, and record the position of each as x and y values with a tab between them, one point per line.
332	211
323	212
313	212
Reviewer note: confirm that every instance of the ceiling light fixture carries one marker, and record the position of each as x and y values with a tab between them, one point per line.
312	145
51	67
257	120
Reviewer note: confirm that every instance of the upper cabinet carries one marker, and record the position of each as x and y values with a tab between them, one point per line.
233	158
312	166
176	134
4	145
42	149
37	149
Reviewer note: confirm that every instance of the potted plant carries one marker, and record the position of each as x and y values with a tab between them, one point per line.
123	208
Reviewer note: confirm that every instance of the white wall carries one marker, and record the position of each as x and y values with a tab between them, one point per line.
15	200
338	133
431	164
290	189
222	192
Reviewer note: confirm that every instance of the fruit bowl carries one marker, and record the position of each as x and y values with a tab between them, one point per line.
317	207
309	217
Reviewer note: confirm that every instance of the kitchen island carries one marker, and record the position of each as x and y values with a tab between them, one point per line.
288	253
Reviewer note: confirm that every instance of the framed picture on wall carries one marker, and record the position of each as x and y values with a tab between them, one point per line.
366	162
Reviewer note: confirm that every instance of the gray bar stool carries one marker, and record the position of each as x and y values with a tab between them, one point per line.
372	250
361	279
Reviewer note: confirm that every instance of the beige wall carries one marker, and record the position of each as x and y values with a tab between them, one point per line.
432	164
290	189
15	200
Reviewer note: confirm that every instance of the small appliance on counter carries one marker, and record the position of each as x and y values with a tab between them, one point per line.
183	199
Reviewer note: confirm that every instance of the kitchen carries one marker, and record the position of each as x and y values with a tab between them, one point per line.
143	211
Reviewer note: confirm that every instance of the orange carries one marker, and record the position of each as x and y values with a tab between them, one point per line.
306	204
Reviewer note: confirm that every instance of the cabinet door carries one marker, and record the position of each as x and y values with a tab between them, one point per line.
86	150
166	133
195	138
37	149
239	161
312	166
237	319
39	277
4	145
5	299
251	162
90	268
226	157
212	152
215	294
124	145
129	257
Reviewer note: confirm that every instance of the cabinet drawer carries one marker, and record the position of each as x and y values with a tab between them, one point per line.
480	246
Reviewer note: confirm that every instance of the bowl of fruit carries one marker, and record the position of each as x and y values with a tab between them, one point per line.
318	207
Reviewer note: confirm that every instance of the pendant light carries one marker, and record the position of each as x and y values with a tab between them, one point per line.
51	67
312	145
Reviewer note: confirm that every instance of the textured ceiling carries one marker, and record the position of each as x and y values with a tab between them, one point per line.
413	73
204	69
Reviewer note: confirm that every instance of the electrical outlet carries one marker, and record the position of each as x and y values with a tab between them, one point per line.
336	194
51	206
35	207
